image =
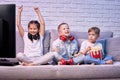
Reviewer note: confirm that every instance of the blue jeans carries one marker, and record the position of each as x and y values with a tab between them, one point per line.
88	60
79	59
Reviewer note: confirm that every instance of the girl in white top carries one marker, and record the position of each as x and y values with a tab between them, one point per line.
33	39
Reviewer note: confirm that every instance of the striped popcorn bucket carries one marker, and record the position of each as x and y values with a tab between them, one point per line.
96	54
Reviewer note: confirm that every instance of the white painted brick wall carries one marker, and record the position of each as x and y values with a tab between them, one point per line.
79	14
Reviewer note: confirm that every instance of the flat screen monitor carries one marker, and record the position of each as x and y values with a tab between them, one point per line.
7	31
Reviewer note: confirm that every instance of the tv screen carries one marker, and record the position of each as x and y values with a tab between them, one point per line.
7	31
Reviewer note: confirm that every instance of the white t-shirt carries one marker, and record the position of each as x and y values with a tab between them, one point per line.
33	49
85	44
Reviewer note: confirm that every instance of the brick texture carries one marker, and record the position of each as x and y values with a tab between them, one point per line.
79	14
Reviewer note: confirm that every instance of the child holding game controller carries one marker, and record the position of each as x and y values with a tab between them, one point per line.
65	47
93	50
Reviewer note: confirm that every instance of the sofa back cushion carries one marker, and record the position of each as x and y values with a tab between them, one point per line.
113	47
46	42
20	43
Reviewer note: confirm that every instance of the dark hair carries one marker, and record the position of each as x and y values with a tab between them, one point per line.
61	25
34	22
95	29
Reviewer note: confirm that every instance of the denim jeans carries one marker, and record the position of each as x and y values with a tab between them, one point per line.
79	59
88	59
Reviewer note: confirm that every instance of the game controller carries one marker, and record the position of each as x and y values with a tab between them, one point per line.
66	62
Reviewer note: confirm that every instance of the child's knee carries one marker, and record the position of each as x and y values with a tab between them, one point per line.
110	57
19	55
86	59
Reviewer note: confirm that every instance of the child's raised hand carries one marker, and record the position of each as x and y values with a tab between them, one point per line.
20	8
36	9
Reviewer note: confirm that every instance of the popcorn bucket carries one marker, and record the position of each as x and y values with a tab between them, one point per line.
96	54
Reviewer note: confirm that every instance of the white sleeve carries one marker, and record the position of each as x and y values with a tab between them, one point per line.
83	46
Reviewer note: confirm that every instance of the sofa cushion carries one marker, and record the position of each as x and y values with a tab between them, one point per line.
84	35
46	42
88	72
80	42
105	35
28	72
62	72
113	47
103	42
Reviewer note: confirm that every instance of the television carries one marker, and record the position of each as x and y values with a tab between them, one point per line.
7	31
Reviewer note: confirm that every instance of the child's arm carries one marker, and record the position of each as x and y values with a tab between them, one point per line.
20	28
75	55
86	50
83	50
42	22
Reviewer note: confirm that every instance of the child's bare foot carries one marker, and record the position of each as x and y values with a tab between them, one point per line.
78	63
27	64
30	64
92	63
109	62
59	63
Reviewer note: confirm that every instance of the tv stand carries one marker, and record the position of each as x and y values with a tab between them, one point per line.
4	60
8	62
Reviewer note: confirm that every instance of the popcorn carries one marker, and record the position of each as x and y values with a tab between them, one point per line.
96	52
